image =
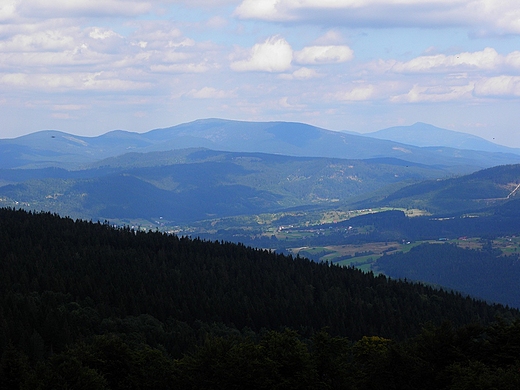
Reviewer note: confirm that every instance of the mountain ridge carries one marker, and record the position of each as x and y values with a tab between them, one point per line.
192	184
54	148
480	190
426	135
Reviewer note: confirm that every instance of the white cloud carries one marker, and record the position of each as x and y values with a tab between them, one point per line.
14	79
157	33
318	10
284	103
261	9
323	55
180	68
484	61
301	74
53	82
32	56
503	15
47	40
329	38
499	86
358	93
82	8
305	73
69	107
274	55
108	81
35	61
209	93
7	10
499	16
64	47
513	60
435	93
102	33
171	56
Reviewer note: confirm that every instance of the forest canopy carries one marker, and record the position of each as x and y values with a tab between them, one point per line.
74	292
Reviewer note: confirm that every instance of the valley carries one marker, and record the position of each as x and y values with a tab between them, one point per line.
283	187
304	228
159	253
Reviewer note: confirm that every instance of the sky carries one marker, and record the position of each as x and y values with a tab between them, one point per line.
87	67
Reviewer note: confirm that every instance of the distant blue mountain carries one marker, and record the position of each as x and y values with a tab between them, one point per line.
58	149
424	135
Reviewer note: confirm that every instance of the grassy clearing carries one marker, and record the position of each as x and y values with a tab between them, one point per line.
508	245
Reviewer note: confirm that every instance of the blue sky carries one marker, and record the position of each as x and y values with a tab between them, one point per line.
90	66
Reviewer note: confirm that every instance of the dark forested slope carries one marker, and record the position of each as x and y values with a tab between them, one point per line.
73	268
84	304
482	273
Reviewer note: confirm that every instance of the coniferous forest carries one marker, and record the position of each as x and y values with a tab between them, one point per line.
84	305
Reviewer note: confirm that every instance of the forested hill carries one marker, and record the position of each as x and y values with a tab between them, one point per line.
64	282
76	268
485	273
481	190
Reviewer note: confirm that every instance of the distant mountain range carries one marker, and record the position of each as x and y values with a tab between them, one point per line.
425	135
57	149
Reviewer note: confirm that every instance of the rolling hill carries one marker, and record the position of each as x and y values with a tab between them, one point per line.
481	190
194	184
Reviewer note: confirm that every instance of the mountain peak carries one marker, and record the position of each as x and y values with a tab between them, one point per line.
427	135
275	137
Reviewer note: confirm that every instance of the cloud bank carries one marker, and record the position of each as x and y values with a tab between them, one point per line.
497	16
